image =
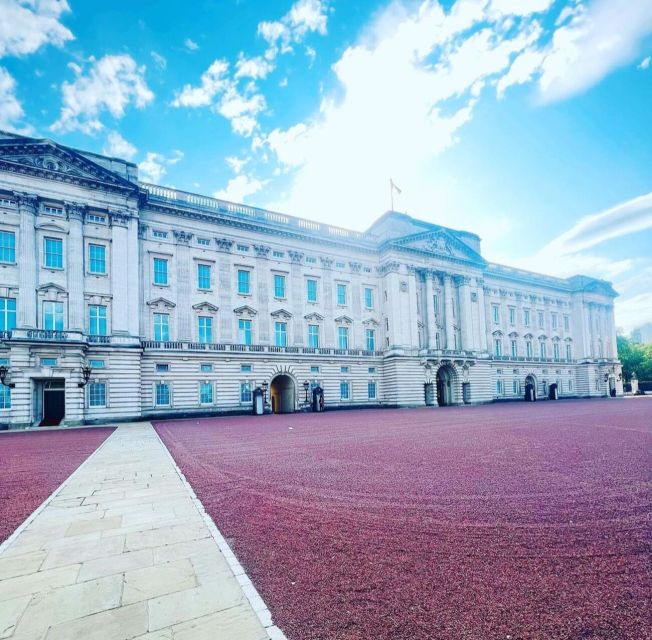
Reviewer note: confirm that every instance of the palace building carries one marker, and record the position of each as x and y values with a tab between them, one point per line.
120	299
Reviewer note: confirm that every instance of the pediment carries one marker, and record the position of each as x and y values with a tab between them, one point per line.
245	310
205	306
344	320
51	286
441	243
281	313
46	159
371	322
161	302
49	226
315	317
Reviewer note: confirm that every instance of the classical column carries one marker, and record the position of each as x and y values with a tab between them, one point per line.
357	340
119	272
184	285
297	296
429	316
448	306
466	320
482	314
75	259
134	279
263	283
28	260
412	319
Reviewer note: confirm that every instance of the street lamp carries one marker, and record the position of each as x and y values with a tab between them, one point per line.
86	376
4	372
265	386
306	386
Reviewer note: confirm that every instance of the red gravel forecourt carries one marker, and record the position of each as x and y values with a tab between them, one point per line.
33	464
521	521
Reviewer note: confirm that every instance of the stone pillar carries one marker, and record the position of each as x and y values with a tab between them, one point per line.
482	314
413	317
134	281
143	324
27	258
429	312
263	284
184	285
466	321
297	298
120	273
356	339
75	259
448	306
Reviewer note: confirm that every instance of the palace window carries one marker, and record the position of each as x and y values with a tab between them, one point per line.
278	254
5	397
526	317
245	368
204	242
97	394
280	334
528	348
205	329
311	290
203	276
53	253
97	320
569	352
553	320
514	349
371	370
244	282
7	246
96	364
205	393
498	347
314	369
49	362
245	392
371	339
162	394
512	315
495	313
52	211
515	387
542	349
368	298
342	338
53	316
95	218
279	286
206	368
161	327
244	331
159	234
566	323
160	271
7	314
311	260
341	294
371	390
540	319
162	367
555	350
345	390
313	336
96	258
242	247
500	387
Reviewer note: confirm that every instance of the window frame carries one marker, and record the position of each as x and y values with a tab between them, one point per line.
9	247
48	254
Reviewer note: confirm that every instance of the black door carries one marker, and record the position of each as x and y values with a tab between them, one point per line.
54	407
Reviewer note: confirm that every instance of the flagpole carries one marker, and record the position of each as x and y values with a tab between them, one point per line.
391	194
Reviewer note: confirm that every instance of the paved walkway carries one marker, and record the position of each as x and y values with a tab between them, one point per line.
124	551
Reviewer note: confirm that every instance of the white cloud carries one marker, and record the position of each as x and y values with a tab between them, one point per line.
236	164
520	7
241	110
11	111
634	311
645	63
27	25
213	81
239	188
117	147
154	166
159	60
111	84
191	45
256	68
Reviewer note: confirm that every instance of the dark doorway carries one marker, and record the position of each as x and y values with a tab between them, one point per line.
54	403
445	389
282	393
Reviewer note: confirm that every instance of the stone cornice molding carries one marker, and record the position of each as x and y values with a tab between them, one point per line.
245	310
161	302
315	317
205	306
344	320
281	313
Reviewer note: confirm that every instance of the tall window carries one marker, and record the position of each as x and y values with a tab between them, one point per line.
203	276
279	286
7	246
368	298
244	331
540	319
542	349
245	392
313	336
280	334
566	323
371	390
205	329
7	314
53	316
512	315
341	294
515	387
160	271
500	387
553	320
97	394
526	317
244	282
495	313
206	393
371	339
5	397
498	347
97	258
97	320
311	290
555	350
342	338
53	252
162	395
569	352
528	348
514	349
161	327
345	390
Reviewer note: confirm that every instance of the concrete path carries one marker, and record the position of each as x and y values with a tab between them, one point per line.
124	551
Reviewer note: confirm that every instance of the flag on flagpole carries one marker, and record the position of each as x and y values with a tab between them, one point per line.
394	187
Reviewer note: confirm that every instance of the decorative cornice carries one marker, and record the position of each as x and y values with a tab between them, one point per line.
161	302
75	210
182	237
119	218
281	313
142	230
224	244
344	320
326	262
262	251
389	267
314	316
205	306
295	256
27	202
245	310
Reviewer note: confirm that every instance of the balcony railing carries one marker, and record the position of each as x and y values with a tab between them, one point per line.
255	348
531	359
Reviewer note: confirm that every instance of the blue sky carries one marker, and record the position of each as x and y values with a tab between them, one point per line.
526	121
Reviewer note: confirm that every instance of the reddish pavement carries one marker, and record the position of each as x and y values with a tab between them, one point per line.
522	521
33	464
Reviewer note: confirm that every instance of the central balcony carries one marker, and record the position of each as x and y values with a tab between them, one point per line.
255	348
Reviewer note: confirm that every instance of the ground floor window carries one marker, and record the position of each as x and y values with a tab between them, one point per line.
500	387
245	392
97	394
206	393
345	390
162	395
515	387
371	390
5	397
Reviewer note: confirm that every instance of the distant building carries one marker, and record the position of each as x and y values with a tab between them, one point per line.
643	335
120	299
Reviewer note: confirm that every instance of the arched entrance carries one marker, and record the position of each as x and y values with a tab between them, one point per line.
282	392
445	389
530	388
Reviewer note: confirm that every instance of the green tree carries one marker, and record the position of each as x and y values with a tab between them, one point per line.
635	358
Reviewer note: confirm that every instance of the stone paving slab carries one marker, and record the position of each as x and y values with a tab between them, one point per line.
124	551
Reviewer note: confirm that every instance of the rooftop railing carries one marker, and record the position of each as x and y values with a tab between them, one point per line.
255	348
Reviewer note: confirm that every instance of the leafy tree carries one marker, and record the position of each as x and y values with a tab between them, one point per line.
635	358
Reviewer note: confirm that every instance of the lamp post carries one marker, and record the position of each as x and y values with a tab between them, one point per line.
306	386
4	372
86	376
264	387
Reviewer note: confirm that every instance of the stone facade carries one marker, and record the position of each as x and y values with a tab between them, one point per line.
180	304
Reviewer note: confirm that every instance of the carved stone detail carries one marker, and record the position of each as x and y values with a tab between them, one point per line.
224	244
75	210
262	251
326	263
182	237
355	266
295	256
119	218
27	202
